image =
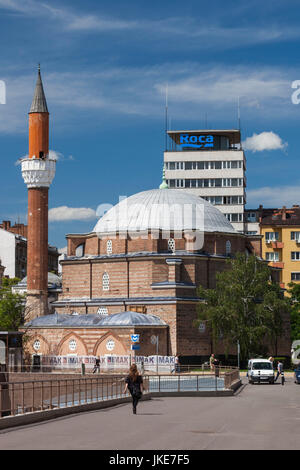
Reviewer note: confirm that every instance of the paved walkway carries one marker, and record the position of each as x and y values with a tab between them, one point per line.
258	417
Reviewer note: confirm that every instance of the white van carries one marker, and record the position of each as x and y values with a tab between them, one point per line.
260	370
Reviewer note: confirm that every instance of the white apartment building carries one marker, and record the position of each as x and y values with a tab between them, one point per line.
212	165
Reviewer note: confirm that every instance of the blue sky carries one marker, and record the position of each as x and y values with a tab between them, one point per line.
105	66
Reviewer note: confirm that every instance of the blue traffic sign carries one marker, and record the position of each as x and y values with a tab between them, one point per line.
135	338
135	347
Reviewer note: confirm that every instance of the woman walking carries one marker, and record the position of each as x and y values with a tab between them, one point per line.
134	383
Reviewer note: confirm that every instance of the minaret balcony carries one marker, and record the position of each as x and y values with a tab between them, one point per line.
38	173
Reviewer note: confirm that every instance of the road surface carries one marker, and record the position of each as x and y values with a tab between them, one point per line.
258	417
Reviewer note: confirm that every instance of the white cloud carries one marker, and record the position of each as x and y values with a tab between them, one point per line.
54	155
62	213
264	141
275	196
190	85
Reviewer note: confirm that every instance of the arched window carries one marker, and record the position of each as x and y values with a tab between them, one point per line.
228	248
171	245
105	281
79	252
102	311
109	247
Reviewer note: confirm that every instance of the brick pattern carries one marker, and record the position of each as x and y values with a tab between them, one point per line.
131	278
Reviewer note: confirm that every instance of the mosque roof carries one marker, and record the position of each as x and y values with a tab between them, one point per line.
123	319
54	282
163	209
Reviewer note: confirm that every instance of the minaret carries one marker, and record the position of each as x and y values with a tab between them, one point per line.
38	172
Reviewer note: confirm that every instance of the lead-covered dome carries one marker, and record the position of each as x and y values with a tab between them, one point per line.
163	209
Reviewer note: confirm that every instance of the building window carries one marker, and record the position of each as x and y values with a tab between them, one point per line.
228	248
102	311
79	252
37	345
171	245
110	345
235	217
105	281
109	247
272	236
295	236
72	345
295	255
295	276
272	256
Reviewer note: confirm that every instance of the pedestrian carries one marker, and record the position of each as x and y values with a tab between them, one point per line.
271	359
216	365
211	361
176	365
134	383
279	370
97	365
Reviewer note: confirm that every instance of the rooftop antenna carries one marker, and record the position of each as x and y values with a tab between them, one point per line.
239	119
166	125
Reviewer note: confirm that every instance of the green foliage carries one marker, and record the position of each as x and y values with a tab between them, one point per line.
12	307
294	292
9	282
245	306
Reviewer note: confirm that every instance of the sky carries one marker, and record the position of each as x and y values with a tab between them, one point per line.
105	69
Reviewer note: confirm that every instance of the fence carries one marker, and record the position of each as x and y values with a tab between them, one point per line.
20	397
108	363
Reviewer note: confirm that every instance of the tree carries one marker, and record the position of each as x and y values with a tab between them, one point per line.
294	292
246	306
12	306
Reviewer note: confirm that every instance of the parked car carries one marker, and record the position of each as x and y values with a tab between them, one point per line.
297	374
260	370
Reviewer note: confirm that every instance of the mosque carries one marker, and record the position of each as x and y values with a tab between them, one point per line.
137	272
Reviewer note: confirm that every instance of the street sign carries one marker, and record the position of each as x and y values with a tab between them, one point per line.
135	338
135	347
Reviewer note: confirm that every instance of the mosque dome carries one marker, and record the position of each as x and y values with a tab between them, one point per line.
163	209
122	319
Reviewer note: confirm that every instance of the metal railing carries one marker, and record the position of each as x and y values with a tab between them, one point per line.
30	396
38	395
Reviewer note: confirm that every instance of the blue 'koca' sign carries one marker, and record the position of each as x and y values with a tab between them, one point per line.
196	141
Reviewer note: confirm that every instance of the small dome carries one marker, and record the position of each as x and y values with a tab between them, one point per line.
54	281
163	209
132	319
123	319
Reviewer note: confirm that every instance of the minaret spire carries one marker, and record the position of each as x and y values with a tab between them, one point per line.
39	103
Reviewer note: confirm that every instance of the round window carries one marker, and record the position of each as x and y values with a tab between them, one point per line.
110	345
37	345
72	345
